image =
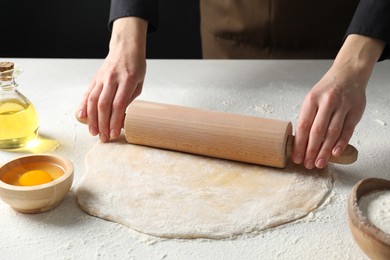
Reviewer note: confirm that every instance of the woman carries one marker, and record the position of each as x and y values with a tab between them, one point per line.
330	111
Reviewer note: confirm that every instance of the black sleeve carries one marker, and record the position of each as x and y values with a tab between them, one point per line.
372	19
145	9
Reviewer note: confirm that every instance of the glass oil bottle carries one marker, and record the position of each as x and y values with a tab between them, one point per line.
18	118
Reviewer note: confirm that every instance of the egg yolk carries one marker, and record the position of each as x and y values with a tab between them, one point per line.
34	177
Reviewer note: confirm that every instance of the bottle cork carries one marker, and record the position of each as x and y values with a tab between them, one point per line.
6	66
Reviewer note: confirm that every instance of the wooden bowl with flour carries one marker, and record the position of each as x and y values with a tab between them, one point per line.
35	183
368	211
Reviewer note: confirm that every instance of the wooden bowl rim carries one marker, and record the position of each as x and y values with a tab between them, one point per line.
356	217
68	172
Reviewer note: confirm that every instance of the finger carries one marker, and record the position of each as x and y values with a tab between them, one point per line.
122	99
137	92
351	121
332	135
306	117
92	112
105	109
316	136
82	110
119	104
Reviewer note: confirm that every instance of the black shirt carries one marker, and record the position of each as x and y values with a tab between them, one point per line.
145	9
372	17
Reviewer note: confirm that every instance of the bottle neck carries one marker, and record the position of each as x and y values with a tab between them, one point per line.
8	84
7	78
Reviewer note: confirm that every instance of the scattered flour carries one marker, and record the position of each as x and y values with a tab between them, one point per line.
376	207
265	108
382	123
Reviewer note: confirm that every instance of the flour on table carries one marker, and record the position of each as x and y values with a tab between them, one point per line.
175	195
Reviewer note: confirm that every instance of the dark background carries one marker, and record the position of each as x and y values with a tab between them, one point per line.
79	29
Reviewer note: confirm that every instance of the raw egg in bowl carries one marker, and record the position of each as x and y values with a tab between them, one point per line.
35	183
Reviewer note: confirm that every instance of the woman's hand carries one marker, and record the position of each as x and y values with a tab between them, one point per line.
335	105
118	81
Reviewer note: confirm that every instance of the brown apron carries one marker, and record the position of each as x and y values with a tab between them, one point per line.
274	29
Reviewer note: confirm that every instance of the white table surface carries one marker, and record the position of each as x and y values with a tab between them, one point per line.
273	89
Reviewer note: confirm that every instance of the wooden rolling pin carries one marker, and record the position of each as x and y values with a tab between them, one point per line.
217	134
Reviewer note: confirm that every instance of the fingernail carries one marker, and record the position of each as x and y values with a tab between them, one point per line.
320	163
298	158
81	114
309	164
93	131
103	138
337	151
113	134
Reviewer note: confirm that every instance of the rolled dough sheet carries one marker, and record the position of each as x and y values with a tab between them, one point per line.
175	195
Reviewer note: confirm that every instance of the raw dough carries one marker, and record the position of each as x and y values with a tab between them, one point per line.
175	195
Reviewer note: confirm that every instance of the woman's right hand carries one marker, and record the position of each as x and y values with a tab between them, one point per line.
118	81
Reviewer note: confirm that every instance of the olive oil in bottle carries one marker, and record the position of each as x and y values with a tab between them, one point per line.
18	118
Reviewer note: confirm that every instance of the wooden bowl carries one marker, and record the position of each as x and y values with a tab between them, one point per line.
38	198
374	242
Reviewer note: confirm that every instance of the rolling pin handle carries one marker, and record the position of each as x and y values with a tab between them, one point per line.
349	155
81	120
